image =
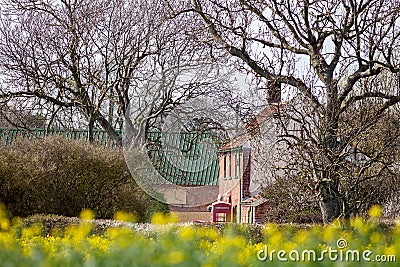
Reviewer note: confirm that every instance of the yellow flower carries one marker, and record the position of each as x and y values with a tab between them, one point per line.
329	233
160	218
269	229
375	211
32	231
78	233
125	216
87	214
187	233
259	246
301	237
359	224
390	250
208	233
98	242
276	238
176	257
4	224
375	237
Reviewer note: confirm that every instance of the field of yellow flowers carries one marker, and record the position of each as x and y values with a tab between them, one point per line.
356	243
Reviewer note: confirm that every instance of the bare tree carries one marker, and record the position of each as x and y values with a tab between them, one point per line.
92	59
322	50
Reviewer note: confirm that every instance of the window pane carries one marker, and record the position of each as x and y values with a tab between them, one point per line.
234	173
221	217
224	166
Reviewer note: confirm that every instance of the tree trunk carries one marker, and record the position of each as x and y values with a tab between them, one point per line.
112	133
346	209
90	130
329	203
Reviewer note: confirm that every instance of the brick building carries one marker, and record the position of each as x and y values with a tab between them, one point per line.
238	167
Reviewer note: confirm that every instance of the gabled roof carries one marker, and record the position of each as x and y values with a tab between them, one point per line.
236	142
253	125
254	200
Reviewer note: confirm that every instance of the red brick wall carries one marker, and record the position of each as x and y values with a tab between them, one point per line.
202	208
228	182
261	211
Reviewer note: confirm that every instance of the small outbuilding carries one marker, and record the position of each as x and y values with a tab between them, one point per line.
221	212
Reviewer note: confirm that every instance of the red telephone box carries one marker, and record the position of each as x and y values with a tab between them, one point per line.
221	211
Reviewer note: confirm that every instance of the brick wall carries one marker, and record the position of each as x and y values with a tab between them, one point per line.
261	211
205	192
228	182
189	216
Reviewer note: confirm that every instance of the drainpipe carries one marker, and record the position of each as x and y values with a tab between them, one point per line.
239	213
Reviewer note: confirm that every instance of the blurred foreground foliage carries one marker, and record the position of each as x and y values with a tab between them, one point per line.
165	243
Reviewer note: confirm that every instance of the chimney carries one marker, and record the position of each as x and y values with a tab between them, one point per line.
252	126
273	92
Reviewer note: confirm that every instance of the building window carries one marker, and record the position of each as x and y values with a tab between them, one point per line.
234	167
229	167
224	166
220	217
237	165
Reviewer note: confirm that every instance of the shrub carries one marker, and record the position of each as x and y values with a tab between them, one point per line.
61	176
293	202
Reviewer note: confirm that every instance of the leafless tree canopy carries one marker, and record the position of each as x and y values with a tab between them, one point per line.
326	51
88	60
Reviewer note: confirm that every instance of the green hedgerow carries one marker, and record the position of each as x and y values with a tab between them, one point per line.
59	176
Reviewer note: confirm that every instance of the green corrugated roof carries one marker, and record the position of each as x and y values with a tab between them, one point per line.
185	158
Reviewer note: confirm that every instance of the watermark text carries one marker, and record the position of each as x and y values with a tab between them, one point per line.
332	254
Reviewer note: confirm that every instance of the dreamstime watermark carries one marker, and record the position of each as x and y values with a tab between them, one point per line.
340	253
